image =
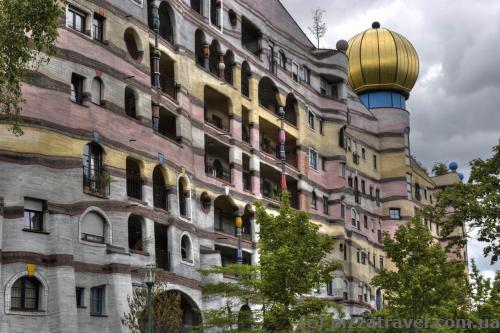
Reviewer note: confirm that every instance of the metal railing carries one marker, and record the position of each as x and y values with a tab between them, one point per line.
160	197
134	186
94	182
168	86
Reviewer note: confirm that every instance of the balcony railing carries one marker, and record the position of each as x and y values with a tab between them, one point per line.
168	86
134	186
217	122
95	182
162	259
160	197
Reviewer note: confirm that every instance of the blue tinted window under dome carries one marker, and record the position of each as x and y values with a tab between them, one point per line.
383	99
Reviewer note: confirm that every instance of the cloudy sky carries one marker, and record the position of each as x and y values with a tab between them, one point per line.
455	104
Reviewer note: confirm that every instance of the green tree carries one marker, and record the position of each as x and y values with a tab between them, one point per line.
425	283
28	31
476	203
293	262
439	169
166	304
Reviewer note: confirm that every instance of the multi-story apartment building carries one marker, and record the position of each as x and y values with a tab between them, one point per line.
157	122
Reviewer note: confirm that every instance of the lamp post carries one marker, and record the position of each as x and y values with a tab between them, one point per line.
149	280
239	254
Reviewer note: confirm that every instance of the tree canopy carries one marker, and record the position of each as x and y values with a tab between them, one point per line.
28	31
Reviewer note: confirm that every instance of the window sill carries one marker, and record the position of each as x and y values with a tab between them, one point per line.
96	315
26	312
81	307
95	194
187	263
138	252
36	231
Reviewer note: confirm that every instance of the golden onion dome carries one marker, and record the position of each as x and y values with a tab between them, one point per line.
381	59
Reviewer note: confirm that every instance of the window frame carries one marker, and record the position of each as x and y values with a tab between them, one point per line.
83	17
310	119
28	226
313	162
189	254
314	200
80	297
77	88
98	30
98	306
295	72
395	213
23	298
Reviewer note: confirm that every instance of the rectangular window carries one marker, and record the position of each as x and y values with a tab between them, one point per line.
97	295
80	293
363	258
77	88
323	163
375	162
311	120
365	222
381	262
329	289
342	169
363	190
33	214
349	181
395	213
342	211
98	27
409	188
323	87
295	72
306	72
313	159
371	193
325	205
345	252
75	19
320	125
377	197
358	256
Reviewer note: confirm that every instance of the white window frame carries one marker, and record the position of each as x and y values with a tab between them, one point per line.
312	152
309	123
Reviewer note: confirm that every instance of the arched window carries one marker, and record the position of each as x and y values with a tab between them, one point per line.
229	66
166	30
268	94
96	91
133	43
92	168
218	169
245	79
130	102
291	109
186	249
197	6
135	233
282	59
184	196
213	60
159	189
25	294
93	228
199	41
245	318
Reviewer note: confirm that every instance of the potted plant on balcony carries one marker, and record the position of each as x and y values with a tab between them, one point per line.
104	180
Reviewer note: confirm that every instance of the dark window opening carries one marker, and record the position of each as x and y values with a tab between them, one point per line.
95	180
77	88
217	159
33	214
132	44
310	120
184	195
167	124
130	102
166	15
199	42
268	94
214	57
291	110
228	67
135	233
134	180
162	252
314	200
250	36
245	79
159	189
197	6
80	293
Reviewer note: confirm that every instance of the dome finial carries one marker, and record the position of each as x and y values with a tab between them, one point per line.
375	25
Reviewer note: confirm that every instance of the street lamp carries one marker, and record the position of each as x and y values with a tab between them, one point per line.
238	223
149	281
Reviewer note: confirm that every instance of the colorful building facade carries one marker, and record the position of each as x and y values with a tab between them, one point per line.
158	123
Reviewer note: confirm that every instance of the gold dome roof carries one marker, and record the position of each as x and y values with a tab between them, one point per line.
381	59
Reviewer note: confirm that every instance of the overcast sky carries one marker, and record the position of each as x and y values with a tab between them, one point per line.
455	104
